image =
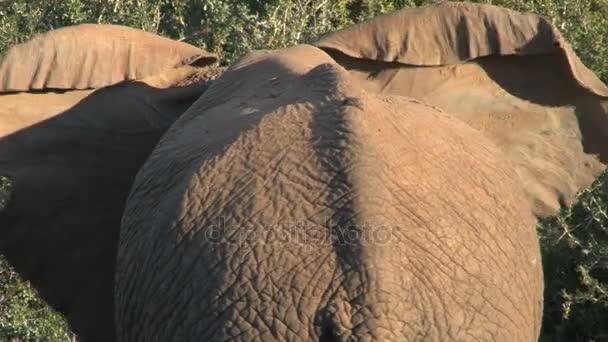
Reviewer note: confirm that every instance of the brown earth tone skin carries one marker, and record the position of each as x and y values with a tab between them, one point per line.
93	56
289	204
380	185
508	74
72	156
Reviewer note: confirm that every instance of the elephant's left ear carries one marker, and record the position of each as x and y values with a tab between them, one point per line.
508	74
72	157
93	56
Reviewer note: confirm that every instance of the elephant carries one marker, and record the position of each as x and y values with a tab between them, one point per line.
301	207
492	67
81	108
381	183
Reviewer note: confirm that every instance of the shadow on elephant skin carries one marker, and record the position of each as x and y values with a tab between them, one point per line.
71	175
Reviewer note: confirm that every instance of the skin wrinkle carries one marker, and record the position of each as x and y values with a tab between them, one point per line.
410	213
266	324
431	256
329	295
219	297
158	248
423	280
337	178
488	320
515	243
169	278
153	313
472	225
254	214
234	195
433	310
149	192
506	296
489	248
364	272
430	231
439	293
275	275
354	329
173	279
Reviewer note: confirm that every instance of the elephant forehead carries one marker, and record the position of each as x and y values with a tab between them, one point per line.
313	203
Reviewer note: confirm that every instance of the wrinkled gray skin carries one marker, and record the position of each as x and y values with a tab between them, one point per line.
287	204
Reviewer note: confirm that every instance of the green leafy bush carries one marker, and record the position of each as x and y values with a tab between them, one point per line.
574	245
23	316
231	28
575	260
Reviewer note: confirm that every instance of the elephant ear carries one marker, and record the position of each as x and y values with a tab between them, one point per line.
72	157
510	75
93	56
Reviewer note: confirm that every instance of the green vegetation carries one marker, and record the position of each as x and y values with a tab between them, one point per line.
231	28
575	261
574	245
23	316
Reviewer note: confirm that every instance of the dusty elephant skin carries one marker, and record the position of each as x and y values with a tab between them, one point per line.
71	176
507	74
345	191
93	56
72	157
299	207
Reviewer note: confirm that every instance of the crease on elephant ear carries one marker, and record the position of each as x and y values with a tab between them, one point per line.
71	174
201	60
508	74
562	154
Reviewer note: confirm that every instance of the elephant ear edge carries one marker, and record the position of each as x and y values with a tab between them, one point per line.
70	175
454	33
90	56
490	67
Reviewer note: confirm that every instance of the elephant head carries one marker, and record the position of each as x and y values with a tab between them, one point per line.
72	152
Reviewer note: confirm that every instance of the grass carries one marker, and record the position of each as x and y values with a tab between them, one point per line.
574	244
24	317
575	261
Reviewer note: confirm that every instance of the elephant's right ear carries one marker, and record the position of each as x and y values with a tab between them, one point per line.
93	56
510	75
